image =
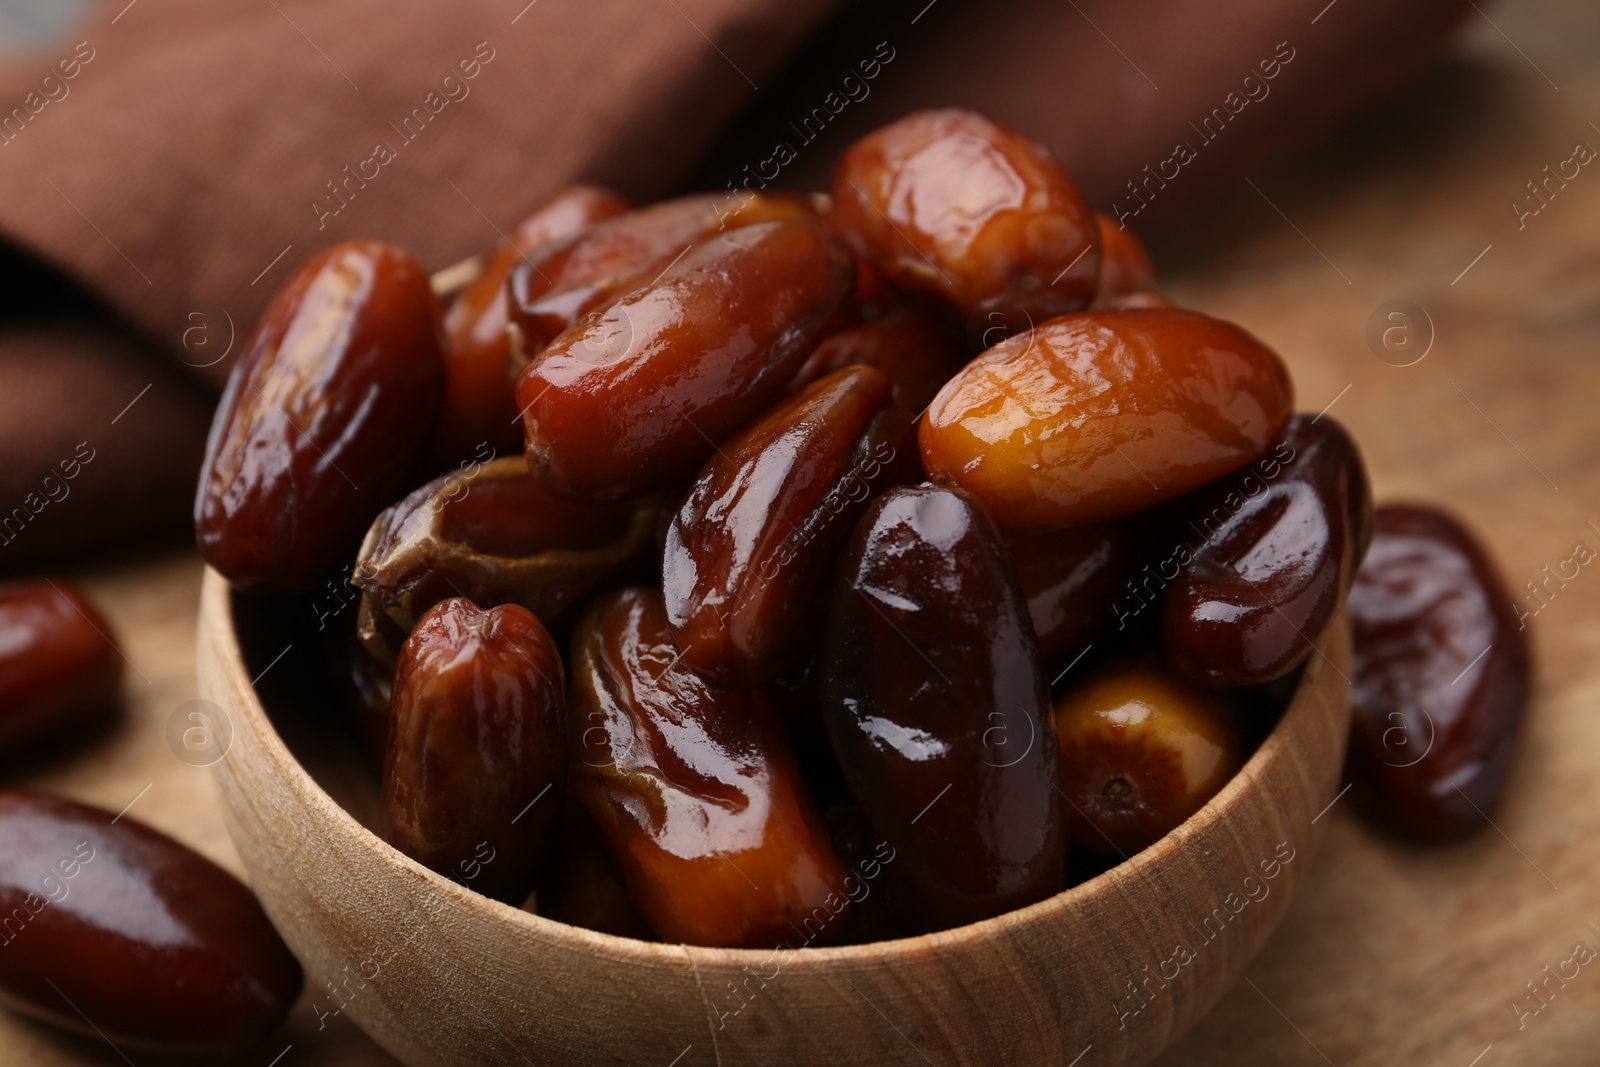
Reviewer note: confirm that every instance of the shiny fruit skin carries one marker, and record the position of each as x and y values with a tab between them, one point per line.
1281	547
161	948
1141	751
475	770
637	394
1442	674
955	209
478	404
696	790
1072	580
754	541
1094	416
331	406
555	288
59	669
937	709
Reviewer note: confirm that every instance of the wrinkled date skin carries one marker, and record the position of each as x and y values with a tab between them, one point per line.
752	543
476	767
1101	414
917	354
1436	716
696	790
550	291
1141	751
936	705
478	403
331	406
161	948
1281	546
496	535
954	208
58	667
1125	266
635	395
1072	580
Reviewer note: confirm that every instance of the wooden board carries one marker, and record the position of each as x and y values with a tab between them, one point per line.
1391	953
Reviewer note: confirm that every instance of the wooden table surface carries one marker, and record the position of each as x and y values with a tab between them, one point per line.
1391	953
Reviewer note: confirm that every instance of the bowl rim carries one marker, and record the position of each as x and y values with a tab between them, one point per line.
217	603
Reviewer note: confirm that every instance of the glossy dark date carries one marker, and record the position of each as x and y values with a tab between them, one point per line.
1072	580
331	406
478	405
550	291
751	546
637	394
59	669
1442	676
937	709
122	934
476	765
1281	544
695	789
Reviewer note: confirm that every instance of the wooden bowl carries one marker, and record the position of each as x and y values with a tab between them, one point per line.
1108	972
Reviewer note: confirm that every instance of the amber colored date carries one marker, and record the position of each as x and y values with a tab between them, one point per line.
937	709
1141	751
695	789
478	405
636	394
1281	547
751	545
1442	676
59	669
550	291
1072	580
1101	414
496	535
476	768
331	405
123	934
954	208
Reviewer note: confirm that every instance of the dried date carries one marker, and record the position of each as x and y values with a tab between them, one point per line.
938	712
330	407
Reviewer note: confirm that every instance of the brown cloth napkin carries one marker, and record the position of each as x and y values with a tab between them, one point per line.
174	160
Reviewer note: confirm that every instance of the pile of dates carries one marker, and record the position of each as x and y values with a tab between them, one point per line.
107	926
752	566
